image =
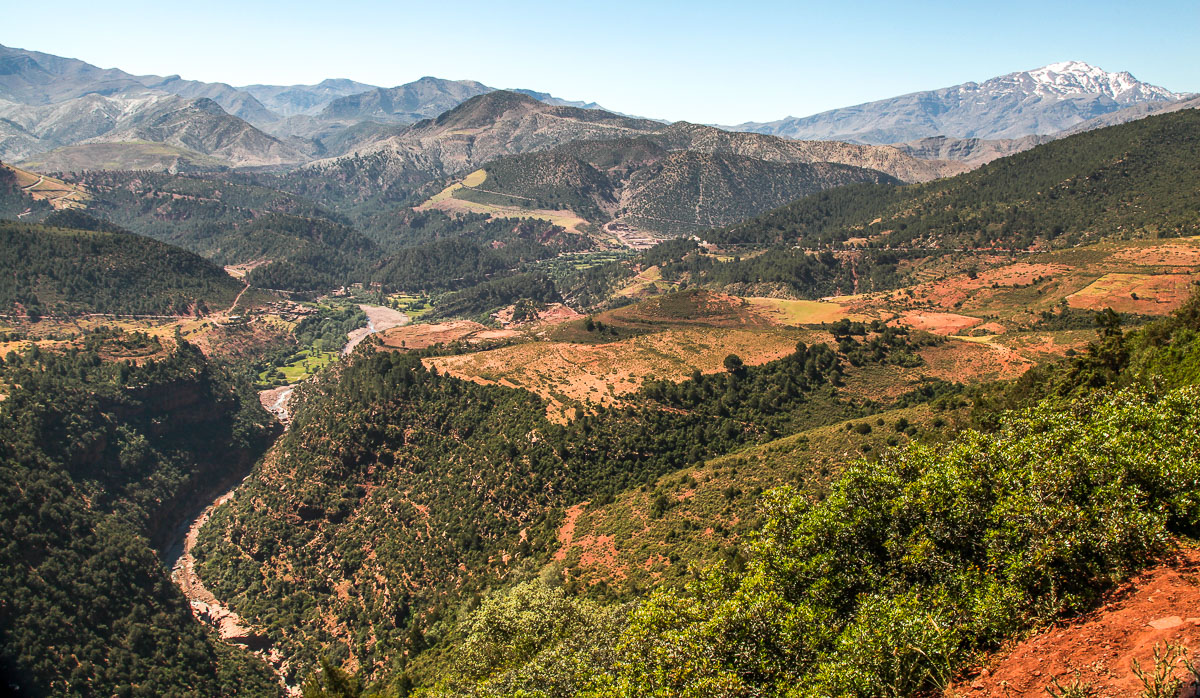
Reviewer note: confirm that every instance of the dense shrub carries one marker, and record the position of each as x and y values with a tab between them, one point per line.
916	563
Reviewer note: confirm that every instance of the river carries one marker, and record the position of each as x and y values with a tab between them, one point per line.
206	607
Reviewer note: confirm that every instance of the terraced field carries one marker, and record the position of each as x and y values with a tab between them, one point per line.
451	200
58	193
802	312
570	374
1006	291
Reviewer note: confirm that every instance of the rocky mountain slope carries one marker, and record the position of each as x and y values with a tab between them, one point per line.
479	130
49	102
706	139
970	151
32	77
645	186
199	125
1033	102
236	102
592	146
685	178
374	113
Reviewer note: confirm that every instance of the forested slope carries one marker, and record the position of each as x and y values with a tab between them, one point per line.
417	489
101	448
1132	180
60	271
912	566
1136	180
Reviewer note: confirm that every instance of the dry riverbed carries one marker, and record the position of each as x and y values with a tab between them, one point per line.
206	607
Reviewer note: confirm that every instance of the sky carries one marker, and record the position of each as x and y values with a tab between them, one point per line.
701	61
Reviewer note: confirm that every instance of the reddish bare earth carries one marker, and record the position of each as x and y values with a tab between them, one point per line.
1159	606
553	314
1172	254
598	551
955	290
422	336
1148	294
566	532
937	323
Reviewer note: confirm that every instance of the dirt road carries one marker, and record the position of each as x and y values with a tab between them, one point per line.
238	298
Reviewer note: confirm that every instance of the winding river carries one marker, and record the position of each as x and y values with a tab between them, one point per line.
206	607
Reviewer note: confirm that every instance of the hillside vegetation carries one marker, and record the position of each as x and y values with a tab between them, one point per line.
63	271
100	446
401	440
901	551
1132	180
910	568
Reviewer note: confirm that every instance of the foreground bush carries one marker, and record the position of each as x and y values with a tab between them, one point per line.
916	564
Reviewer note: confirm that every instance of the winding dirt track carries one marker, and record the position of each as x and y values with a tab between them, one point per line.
238	298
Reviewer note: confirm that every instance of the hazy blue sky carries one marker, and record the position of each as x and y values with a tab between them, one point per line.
712	62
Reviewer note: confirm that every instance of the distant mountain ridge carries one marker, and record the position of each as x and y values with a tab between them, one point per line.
290	100
59	114
391	164
1042	101
422	99
49	102
200	125
605	168
978	151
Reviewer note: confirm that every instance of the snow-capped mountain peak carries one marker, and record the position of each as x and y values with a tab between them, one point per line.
1070	78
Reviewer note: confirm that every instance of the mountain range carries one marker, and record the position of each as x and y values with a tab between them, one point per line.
1037	102
48	102
601	166
58	114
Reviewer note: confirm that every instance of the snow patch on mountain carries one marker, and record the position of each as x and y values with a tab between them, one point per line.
1072	78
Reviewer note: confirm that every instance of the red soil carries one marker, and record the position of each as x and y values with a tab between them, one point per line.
1158	294
1160	605
566	532
951	292
553	314
937	323
1174	254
